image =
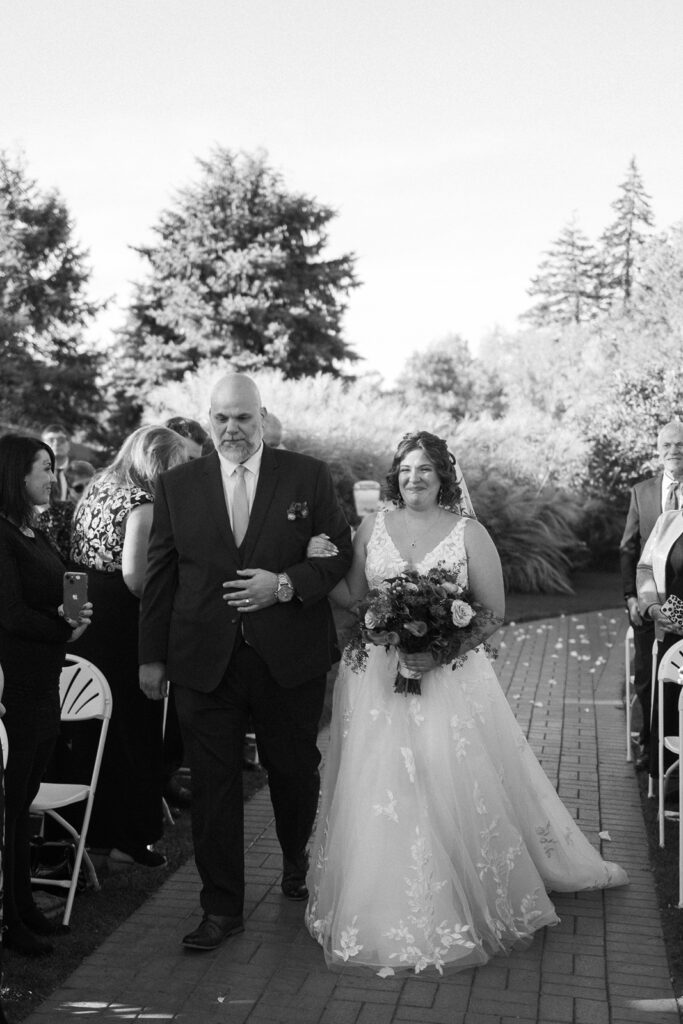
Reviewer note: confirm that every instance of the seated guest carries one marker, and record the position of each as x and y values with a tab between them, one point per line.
33	636
110	537
659	575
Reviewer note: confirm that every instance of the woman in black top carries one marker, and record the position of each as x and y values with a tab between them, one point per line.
33	635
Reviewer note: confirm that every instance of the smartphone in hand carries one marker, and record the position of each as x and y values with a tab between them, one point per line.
75	593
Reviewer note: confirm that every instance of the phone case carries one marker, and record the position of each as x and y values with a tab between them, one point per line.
75	593
673	609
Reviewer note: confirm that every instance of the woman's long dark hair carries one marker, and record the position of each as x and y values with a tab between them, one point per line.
444	464
17	455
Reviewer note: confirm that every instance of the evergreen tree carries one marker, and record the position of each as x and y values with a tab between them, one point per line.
47	372
238	271
656	307
622	242
568	283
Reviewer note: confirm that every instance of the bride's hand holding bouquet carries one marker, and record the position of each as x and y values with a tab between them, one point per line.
427	617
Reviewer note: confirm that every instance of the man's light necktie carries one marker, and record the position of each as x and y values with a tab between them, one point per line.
240	506
671	496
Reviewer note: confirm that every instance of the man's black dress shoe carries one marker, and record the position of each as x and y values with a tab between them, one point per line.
213	929
294	888
293	882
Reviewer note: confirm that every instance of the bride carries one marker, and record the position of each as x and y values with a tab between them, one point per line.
438	832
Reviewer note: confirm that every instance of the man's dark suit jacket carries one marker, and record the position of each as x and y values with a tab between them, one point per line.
184	620
643	513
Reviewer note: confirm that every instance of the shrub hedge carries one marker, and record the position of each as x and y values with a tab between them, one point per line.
514	468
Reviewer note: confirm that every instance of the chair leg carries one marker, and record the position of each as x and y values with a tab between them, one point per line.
168	817
662	810
660	758
82	856
627	695
680	808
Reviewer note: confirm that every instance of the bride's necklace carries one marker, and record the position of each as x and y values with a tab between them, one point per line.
424	534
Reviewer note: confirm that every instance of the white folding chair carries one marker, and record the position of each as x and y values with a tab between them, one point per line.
668	672
680	816
84	694
4	743
629	689
653	687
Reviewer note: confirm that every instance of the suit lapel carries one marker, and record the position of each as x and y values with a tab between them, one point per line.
215	499
265	489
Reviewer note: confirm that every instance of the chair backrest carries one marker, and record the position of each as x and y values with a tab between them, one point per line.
83	691
670	664
4	743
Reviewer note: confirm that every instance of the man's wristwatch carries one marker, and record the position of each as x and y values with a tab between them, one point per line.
284	590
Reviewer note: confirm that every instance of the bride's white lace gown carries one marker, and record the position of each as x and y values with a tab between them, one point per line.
439	833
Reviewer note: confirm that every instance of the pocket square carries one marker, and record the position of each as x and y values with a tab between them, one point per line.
297	510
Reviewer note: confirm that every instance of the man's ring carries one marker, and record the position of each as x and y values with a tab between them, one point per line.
246	600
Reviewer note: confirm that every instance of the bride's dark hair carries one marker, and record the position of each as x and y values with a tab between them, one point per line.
444	464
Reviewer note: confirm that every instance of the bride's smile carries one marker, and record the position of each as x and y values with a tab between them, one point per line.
418	480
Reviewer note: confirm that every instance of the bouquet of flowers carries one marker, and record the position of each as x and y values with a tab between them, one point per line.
416	612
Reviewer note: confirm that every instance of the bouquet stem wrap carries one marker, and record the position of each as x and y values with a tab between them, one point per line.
407	679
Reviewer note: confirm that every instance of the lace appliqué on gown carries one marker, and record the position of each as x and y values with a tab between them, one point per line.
438	833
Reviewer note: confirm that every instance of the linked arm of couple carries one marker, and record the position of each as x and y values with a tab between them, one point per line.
254	589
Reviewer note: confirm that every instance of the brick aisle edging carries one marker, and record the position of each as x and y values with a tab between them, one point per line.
604	963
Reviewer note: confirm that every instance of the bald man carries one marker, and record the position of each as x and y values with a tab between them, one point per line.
236	617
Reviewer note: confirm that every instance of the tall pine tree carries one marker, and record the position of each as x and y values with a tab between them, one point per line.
568	283
622	241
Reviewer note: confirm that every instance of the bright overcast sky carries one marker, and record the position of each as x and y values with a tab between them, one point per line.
455	138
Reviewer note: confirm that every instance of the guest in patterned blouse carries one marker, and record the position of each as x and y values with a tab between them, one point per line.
110	537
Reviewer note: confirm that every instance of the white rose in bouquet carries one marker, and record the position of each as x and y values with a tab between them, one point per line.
461	613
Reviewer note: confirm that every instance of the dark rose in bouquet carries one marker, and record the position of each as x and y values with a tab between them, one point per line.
416	612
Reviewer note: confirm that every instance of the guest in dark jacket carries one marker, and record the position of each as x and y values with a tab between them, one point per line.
649	499
33	637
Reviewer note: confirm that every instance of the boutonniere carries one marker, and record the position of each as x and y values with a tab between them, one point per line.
297	510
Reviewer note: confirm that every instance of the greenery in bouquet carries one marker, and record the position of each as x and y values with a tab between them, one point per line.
419	612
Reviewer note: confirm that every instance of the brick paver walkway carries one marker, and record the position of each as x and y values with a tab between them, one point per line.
604	964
